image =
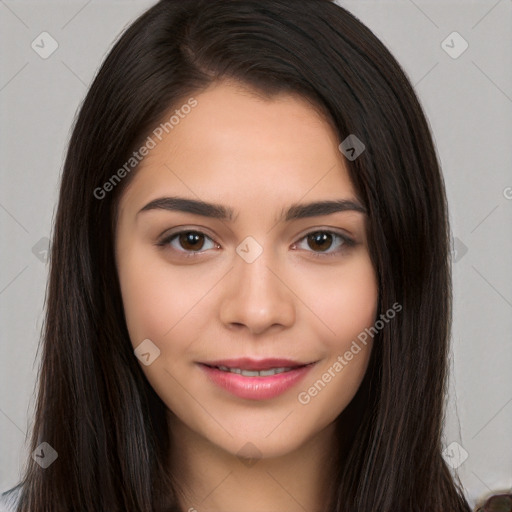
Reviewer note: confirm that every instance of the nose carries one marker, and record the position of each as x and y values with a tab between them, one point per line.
257	297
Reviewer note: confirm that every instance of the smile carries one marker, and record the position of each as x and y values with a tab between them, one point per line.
254	373
255	380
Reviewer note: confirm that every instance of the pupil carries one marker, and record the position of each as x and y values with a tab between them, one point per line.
191	240
320	238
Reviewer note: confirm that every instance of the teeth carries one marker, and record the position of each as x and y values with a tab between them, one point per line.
273	371
254	373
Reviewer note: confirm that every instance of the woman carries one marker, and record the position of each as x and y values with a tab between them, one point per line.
249	299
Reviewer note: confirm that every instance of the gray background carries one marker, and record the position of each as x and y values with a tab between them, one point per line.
468	101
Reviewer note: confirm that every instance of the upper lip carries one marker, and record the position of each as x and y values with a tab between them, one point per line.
246	363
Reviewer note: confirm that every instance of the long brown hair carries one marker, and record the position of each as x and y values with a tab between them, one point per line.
94	405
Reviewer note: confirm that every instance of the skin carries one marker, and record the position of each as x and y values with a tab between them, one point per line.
257	156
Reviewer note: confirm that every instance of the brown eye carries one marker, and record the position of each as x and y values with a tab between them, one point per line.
187	242
320	240
191	240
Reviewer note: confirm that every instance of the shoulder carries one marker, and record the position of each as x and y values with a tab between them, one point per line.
9	499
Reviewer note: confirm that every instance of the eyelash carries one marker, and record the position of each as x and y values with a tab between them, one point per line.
347	243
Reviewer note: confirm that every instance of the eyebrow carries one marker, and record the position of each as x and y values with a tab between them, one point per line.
217	211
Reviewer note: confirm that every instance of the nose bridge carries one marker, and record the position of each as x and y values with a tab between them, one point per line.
257	296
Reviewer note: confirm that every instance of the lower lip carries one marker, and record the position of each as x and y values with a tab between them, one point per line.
256	388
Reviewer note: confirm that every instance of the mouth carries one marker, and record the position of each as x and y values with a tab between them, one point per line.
255	379
255	373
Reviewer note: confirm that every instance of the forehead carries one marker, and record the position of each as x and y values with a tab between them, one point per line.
235	144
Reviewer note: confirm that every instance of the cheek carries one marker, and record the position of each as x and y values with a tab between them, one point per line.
169	307
344	302
144	303
355	307
347	306
351	313
154	299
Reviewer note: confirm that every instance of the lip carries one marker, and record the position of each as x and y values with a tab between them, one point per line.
247	363
256	388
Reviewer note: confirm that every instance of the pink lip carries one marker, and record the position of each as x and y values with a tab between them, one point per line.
256	388
246	363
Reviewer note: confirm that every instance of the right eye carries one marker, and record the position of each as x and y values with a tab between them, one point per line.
190	241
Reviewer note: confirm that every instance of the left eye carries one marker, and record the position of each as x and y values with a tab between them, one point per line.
193	241
323	239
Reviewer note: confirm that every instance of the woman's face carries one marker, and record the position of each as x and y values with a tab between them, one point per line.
264	288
